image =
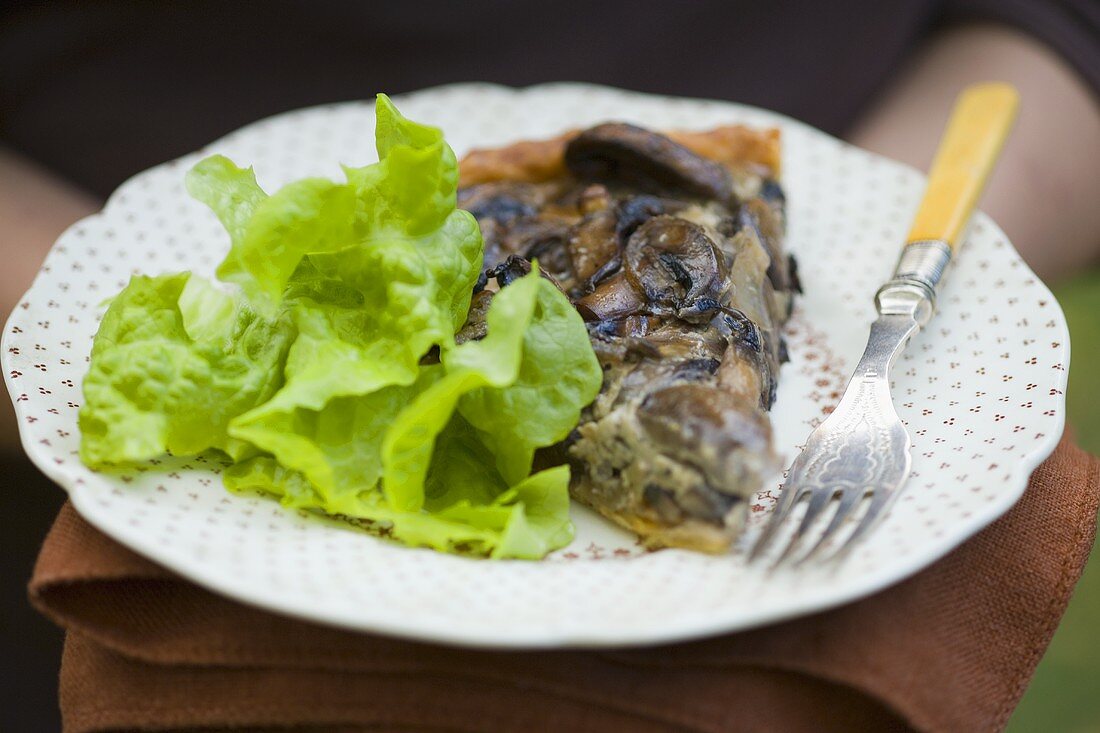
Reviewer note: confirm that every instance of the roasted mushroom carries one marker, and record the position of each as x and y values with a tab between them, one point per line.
622	153
614	298
593	243
539	237
514	221
766	223
631	213
503	201
710	429
672	263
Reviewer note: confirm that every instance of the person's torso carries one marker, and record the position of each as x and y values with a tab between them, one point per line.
99	91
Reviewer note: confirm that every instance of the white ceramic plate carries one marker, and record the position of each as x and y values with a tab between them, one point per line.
981	391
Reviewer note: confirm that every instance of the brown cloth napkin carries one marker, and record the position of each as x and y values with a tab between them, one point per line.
952	649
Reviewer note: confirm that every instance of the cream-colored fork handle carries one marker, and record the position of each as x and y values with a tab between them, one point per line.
975	134
971	144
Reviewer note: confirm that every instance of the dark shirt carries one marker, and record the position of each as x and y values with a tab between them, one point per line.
100	90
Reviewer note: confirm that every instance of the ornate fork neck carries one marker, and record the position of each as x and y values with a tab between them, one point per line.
912	290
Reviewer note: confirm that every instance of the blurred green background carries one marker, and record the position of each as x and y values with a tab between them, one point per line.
1065	694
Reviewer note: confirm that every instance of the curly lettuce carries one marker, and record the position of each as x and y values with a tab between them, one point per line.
173	362
520	388
305	367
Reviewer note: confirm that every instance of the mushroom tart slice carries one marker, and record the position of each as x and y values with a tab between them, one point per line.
671	249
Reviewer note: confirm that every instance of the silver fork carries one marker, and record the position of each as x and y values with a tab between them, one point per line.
862	448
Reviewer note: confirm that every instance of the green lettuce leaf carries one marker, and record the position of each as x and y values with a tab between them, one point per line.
336	447
410	195
368	312
555	376
492	362
436	468
231	193
310	376
521	387
412	188
305	217
532	517
473	512
173	362
270	235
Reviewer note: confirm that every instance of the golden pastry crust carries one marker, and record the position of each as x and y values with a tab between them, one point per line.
534	161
